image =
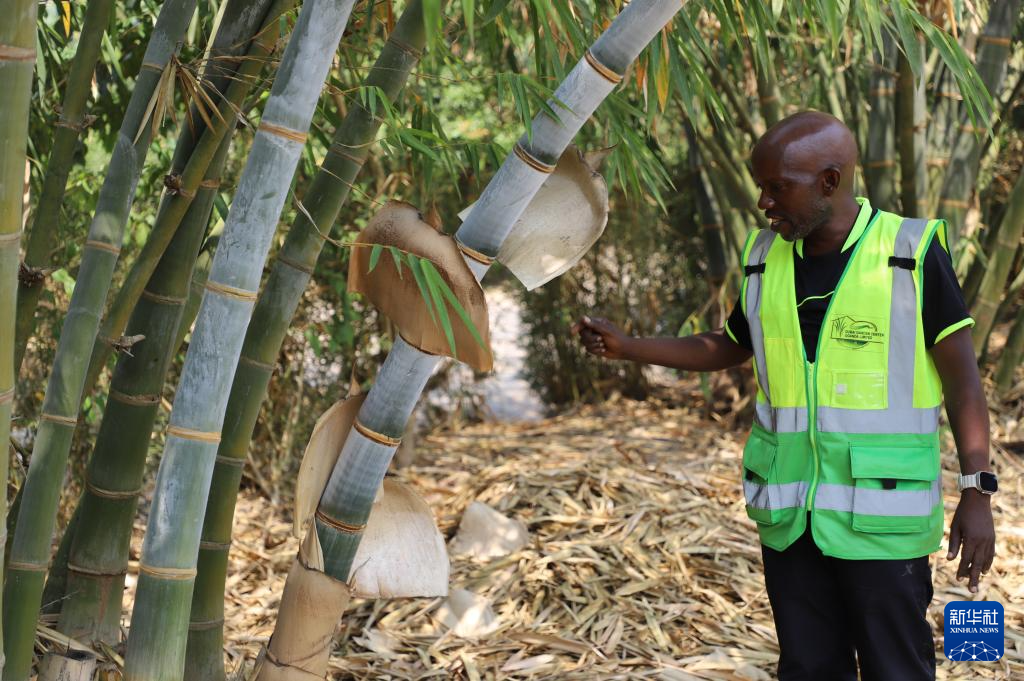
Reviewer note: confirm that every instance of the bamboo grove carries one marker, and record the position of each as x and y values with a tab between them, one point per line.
154	339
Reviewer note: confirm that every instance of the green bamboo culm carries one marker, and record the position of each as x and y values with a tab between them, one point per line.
911	124
300	652
997	269
880	156
247	31
289	277
30	550
17	59
159	627
42	233
193	154
98	557
1010	360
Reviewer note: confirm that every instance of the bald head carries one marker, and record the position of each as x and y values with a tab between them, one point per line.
804	166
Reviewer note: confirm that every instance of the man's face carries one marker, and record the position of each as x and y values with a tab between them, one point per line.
791	197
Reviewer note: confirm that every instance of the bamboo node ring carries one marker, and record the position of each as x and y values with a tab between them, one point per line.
954	203
281	131
204	626
418	349
212	183
152	66
379	438
61	123
340	150
215	545
134	400
11	237
7	396
111	493
258	364
15	53
605	72
103	246
161	299
405	47
230	291
197	435
531	161
25	566
338	524
60	420
230	461
995	40
72	567
172	573
474	254
294	264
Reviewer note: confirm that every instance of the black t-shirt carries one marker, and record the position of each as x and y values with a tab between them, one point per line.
816	277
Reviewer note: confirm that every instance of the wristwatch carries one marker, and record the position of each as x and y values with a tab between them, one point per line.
983	481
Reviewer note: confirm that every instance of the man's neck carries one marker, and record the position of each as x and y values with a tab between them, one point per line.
830	237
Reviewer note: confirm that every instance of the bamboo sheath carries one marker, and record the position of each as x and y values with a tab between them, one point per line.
289	277
34	530
42	234
360	469
156	644
17	58
193	153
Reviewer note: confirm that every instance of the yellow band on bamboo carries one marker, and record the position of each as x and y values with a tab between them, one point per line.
712	226
210	184
881	92
7	396
294	264
531	161
230	291
163	300
11	237
94	572
168	572
949	95
14	53
112	493
994	40
197	435
134	400
60	420
954	203
26	567
887	163
103	246
379	438
769	99
280	131
474	254
973	128
608	74
337	524
256	363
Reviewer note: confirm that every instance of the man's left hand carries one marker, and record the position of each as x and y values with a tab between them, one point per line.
973	528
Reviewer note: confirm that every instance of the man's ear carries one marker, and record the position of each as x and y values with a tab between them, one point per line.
830	180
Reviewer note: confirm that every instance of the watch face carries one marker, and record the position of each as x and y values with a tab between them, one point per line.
989	483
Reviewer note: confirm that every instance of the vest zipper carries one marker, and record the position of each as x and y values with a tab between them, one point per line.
810	384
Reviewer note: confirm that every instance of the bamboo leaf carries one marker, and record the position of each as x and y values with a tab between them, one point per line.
396	255
461	311
375	256
494	11
468	9
421	282
434	284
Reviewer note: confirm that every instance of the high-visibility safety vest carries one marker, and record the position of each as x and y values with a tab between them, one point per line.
851	438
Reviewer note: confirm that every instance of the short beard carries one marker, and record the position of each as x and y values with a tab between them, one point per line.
821	213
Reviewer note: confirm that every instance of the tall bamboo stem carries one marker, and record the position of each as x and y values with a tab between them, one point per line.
880	159
288	279
43	231
1013	352
17	57
911	125
30	551
346	502
157	639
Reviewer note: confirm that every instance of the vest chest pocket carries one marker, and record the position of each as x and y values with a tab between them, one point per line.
896	488
859	390
766	499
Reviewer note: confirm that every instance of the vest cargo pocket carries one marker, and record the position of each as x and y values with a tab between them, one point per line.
760	481
896	488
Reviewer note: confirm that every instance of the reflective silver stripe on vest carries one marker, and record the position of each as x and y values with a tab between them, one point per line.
900	416
775	497
780	419
758	254
864	501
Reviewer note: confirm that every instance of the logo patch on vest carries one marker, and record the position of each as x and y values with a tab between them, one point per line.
856	334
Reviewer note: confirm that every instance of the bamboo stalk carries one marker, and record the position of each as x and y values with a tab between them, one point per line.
997	270
43	231
911	125
769	98
992	57
194	152
289	277
156	643
880	159
31	548
346	502
1013	352
17	58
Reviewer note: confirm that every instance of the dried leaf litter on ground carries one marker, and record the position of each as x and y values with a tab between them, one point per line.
642	563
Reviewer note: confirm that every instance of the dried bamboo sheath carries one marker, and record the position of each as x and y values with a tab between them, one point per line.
173	535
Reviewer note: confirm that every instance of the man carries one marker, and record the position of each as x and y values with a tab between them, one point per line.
857	327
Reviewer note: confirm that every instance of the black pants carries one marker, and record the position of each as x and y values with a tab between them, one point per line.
827	609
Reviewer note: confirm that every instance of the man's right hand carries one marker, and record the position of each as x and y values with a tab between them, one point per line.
602	338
